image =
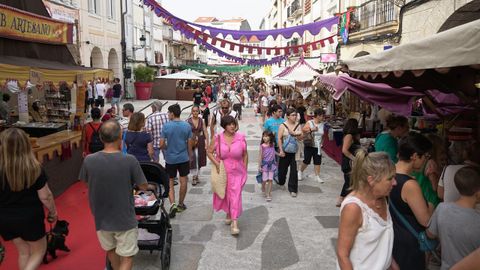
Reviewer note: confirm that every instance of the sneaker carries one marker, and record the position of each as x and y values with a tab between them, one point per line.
181	207
320	180
173	210
300	176
293	194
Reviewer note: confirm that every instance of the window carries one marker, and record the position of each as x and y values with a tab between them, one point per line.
93	6
110	9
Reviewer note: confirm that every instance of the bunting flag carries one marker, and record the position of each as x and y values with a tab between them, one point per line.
223	43
214	41
232	46
259	50
314	28
250	50
241	49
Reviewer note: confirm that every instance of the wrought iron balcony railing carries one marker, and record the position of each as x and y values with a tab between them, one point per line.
373	14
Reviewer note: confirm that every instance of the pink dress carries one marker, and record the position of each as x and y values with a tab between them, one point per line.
232	156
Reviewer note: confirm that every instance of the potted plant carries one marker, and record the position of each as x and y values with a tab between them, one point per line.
143	82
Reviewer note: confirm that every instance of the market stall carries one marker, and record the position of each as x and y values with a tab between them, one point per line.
433	81
170	86
46	88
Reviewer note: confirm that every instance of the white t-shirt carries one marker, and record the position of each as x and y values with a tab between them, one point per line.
90	91
264	101
100	89
218	120
318	135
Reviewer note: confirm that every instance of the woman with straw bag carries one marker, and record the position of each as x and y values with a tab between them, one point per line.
228	153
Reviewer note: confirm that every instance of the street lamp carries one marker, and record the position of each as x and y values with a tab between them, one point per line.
143	41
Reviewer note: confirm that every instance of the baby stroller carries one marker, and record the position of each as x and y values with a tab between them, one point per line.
157	178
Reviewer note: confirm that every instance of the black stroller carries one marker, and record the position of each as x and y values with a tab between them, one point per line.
157	177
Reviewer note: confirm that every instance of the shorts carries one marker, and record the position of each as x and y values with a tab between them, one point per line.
100	102
115	100
30	228
182	168
268	175
310	152
124	242
90	101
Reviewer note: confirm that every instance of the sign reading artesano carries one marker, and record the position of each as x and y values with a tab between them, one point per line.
21	25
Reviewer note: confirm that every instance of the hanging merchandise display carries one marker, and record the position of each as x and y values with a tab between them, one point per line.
312	28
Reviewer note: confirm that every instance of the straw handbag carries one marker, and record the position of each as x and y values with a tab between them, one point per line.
219	179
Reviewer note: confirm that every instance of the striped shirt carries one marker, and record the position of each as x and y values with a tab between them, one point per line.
154	126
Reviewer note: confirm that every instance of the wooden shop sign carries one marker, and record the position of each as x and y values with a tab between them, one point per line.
21	25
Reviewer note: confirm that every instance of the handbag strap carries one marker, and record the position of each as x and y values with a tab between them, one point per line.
219	142
404	220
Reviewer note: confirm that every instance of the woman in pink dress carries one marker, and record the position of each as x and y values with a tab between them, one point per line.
233	153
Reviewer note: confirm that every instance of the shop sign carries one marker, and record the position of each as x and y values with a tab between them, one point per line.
21	25
63	13
36	77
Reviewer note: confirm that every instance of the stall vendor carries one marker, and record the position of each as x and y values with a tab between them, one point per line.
38	112
4	109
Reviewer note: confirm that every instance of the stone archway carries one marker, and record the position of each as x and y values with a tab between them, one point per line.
361	53
113	62
96	58
467	13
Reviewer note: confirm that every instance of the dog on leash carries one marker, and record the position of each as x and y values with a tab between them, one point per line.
56	240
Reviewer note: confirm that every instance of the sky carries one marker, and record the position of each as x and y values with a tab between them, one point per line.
252	10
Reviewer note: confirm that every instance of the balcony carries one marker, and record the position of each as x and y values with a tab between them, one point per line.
294	10
374	18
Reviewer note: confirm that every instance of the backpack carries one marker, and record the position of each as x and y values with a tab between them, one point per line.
290	143
95	144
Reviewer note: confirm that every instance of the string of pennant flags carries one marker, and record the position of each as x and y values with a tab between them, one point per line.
210	40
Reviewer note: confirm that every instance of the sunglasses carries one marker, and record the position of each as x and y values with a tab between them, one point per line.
225	108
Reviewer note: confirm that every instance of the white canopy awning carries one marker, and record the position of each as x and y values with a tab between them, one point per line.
193	72
182	76
301	73
455	47
260	74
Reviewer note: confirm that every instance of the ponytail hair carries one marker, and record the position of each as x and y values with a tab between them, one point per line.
377	165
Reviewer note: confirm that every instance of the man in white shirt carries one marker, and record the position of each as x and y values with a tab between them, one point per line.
100	93
225	109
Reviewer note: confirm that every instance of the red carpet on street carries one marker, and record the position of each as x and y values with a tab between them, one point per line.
86	252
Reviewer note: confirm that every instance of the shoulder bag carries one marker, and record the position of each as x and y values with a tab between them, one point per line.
219	179
290	144
426	244
308	139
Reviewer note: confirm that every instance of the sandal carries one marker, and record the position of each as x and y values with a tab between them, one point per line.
194	180
269	198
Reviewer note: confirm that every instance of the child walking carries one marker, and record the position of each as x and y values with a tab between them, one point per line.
266	163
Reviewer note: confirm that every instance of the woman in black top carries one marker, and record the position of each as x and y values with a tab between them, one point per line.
407	197
23	193
351	143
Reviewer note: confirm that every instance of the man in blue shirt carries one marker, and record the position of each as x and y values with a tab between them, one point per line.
274	121
175	139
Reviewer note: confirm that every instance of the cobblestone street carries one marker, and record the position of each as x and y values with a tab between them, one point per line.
287	233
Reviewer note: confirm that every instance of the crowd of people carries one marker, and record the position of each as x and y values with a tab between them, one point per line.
391	208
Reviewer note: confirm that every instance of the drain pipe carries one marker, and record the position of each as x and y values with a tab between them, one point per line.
124	46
